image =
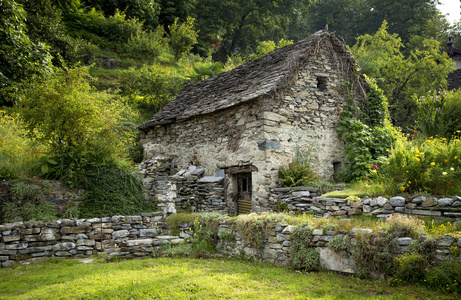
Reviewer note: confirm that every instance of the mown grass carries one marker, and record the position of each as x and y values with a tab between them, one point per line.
185	278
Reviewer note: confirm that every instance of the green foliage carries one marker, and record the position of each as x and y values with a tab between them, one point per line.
112	190
205	70
303	256
17	151
225	235
75	122
364	144
175	220
20	58
45	25
431	165
400	76
22	192
445	277
150	88
439	113
28	204
182	37
265	47
374	253
410	268
147	11
30	211
299	172
147	46
340	243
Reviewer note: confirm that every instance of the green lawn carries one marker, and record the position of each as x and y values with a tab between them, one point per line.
185	278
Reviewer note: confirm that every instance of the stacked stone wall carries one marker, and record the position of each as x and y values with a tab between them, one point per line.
306	200
123	236
277	243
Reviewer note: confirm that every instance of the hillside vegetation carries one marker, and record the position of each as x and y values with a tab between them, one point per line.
78	76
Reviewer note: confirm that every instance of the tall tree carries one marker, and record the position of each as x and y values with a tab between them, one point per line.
236	26
402	77
20	58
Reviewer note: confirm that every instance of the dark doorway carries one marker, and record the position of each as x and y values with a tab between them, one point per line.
244	193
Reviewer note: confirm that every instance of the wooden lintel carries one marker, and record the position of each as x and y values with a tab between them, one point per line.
240	169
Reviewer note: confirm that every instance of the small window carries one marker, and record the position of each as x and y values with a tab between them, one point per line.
322	83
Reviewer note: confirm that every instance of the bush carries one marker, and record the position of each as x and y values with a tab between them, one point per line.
150	88
299	172
112	190
410	268
445	277
147	46
340	243
182	37
28	204
432	165
303	256
17	151
439	113
374	253
412	226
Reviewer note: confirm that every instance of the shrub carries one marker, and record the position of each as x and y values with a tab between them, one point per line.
299	172
112	190
439	113
147	46
374	253
410	268
411	225
182	37
340	243
17	151
28	204
150	88
303	256
445	277
432	165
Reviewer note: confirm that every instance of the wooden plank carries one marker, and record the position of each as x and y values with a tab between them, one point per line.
240	169
244	206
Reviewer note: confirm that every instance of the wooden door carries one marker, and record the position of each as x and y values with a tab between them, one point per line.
244	193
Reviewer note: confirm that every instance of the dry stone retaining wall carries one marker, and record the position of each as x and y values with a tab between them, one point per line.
305	199
126	237
276	246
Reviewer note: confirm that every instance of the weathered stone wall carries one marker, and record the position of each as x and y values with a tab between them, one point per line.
131	236
186	189
276	247
305	200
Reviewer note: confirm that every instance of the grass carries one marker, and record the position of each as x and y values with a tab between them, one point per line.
185	278
345	193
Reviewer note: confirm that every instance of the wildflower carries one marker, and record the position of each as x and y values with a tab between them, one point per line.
417	159
444	173
358	70
375	167
446	160
452	169
456	157
387	150
432	163
402	189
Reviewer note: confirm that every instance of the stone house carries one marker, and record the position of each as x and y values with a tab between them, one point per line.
245	123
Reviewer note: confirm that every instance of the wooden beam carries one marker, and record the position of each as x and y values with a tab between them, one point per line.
240	169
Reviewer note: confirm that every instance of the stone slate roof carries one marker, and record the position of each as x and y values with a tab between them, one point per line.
257	78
